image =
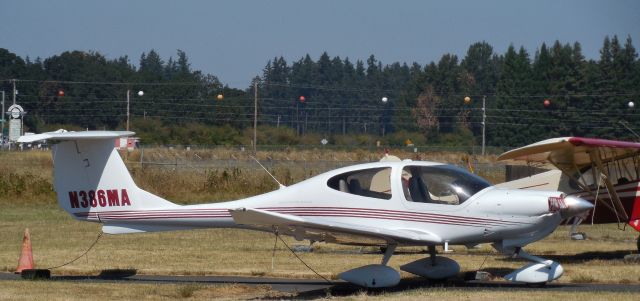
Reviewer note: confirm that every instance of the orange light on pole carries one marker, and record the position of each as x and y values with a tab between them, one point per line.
467	99
302	99
60	92
546	103
220	97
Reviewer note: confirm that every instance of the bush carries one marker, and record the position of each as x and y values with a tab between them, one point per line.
269	135
399	138
460	137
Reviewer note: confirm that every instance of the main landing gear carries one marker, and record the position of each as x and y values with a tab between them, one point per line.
539	271
433	267
380	275
374	275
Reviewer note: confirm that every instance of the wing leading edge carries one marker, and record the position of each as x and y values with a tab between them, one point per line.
571	151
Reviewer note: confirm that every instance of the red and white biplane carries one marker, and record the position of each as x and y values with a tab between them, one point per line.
604	172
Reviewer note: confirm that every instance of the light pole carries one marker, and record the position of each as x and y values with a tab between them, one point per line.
255	116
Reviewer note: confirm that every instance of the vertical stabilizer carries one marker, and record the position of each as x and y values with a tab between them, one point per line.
90	177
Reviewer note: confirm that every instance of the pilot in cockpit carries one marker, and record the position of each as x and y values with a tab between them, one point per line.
422	187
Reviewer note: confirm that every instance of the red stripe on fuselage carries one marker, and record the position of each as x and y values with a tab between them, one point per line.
301	211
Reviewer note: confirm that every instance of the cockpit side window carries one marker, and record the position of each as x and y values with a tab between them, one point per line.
372	182
440	184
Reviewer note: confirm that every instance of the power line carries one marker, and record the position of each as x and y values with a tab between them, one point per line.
335	88
105	83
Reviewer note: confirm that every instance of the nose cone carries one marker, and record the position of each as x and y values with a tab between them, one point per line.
574	206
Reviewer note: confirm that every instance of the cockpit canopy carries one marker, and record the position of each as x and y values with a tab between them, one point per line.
440	184
370	182
437	184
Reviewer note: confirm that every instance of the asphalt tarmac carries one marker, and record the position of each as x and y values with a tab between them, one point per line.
319	288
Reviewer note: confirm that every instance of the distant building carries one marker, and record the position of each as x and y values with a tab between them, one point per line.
128	143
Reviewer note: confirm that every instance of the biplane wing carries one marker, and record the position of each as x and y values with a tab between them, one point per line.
610	162
572	151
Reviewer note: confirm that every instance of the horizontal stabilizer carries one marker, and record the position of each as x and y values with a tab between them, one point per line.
63	135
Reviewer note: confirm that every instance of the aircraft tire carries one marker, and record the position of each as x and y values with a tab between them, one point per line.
537	285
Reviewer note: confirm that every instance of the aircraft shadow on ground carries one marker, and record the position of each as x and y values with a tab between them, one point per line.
117	273
340	288
126	274
343	289
110	274
580	257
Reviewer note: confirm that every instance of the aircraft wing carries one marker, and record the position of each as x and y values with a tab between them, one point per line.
568	152
336	232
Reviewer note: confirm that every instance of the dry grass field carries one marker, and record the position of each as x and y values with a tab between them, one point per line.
57	238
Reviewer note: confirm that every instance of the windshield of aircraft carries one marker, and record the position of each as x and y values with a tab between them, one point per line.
440	184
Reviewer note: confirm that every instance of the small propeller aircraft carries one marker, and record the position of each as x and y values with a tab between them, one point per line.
603	172
385	204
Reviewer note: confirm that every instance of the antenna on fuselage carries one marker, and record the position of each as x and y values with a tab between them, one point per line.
265	169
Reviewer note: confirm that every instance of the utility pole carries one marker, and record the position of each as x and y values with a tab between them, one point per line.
484	118
297	120
14	91
3	120
255	115
329	122
128	92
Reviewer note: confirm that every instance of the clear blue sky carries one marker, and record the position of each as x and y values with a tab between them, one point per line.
234	39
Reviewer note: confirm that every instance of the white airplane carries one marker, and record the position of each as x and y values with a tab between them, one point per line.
386	204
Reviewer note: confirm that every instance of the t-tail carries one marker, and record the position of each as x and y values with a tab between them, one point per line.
90	177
